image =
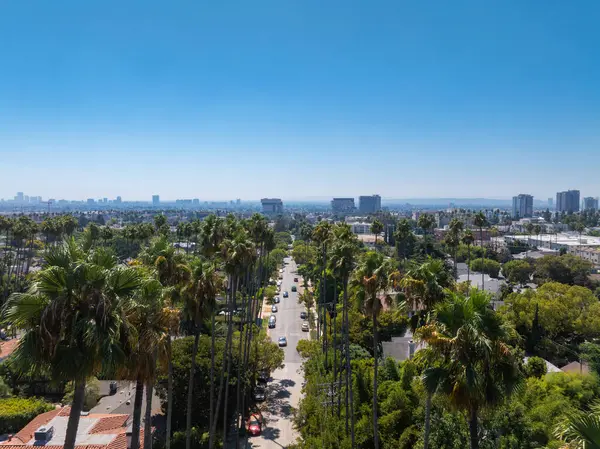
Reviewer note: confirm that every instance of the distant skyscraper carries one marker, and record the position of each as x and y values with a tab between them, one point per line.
238	202
105	200
369	204
19	197
342	204
550	203
272	205
567	201
118	200
590	203
196	202
522	206
155	200
91	201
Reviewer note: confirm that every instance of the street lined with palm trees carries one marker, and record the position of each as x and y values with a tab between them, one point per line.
285	386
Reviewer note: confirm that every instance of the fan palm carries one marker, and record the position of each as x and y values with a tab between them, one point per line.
470	340
581	429
75	319
372	279
480	221
467	239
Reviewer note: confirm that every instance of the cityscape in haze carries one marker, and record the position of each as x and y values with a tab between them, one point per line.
305	224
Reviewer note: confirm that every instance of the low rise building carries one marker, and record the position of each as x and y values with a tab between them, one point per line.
591	254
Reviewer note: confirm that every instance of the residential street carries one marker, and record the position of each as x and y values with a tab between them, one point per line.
284	390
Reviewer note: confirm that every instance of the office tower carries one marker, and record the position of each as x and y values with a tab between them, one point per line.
567	201
590	203
155	200
272	205
19	197
118	200
522	206
342	204
369	204
550	203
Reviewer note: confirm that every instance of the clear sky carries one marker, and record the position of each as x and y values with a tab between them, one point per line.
299	98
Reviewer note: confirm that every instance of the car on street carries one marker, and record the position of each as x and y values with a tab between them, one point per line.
295	279
276	300
272	322
254	424
281	270
279	283
260	393
274	308
263	377
285	294
112	387
305	327
303	315
294	288
282	341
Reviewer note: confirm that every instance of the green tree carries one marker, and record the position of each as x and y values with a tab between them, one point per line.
517	271
73	317
486	266
566	269
470	340
467	239
404	238
535	367
480	221
376	229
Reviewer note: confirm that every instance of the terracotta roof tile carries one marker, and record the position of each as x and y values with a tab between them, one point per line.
7	347
107	423
26	433
65	411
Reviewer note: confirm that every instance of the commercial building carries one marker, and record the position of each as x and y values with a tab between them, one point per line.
118	200
369	204
572	242
522	206
550	203
567	201
272	205
155	200
360	228
342	204
590	203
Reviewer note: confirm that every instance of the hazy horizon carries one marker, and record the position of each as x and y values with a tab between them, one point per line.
268	99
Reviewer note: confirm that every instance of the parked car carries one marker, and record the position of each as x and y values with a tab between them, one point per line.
282	341
274	308
260	393
285	294
303	315
263	377
293	288
295	279
254	424
276	300
305	327
112	387
272	321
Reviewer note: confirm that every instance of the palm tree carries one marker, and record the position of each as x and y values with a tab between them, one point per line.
198	296
75	319
376	228
469	340
321	236
372	278
480	221
402	235
467	239
453	238
581	429
432	378
343	259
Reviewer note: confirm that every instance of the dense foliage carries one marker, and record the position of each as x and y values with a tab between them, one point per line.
16	412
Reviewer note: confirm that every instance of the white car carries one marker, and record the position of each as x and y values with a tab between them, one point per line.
305	327
274	308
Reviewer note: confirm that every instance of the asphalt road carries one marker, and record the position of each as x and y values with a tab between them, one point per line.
284	390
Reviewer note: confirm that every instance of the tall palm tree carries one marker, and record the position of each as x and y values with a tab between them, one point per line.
343	258
198	296
321	236
470	340
581	429
372	279
480	221
453	238
376	228
401	236
467	239
75	319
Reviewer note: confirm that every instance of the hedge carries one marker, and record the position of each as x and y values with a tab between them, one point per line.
15	413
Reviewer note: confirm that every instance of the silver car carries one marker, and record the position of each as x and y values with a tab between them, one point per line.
274	308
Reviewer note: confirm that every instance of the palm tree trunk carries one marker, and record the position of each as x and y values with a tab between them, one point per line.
473	430
469	265
188	421
349	387
211	439
75	414
227	355
375	366
137	413
169	392
427	421
148	417
483	259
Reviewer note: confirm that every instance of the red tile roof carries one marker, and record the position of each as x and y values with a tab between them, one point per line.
109	423
7	347
26	433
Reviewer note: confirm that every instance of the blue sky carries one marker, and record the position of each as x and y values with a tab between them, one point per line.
299	99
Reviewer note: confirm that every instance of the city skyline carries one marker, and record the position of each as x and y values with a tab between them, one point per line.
299	100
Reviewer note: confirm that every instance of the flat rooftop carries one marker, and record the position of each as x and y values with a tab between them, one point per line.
567	239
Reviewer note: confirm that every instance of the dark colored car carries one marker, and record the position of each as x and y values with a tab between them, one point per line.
260	393
295	279
263	377
303	315
112	387
285	294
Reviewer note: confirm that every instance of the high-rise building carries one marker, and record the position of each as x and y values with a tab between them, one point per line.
550	203
567	201
155	200
91	201
590	203
272	205
196	202
19	197
369	204
342	204
522	206
118	200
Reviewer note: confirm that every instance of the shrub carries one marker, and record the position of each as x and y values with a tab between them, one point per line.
536	367
15	413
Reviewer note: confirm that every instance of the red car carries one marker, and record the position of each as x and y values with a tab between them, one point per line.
295	279
254	424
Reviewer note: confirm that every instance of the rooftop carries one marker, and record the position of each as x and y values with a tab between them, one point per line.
563	238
